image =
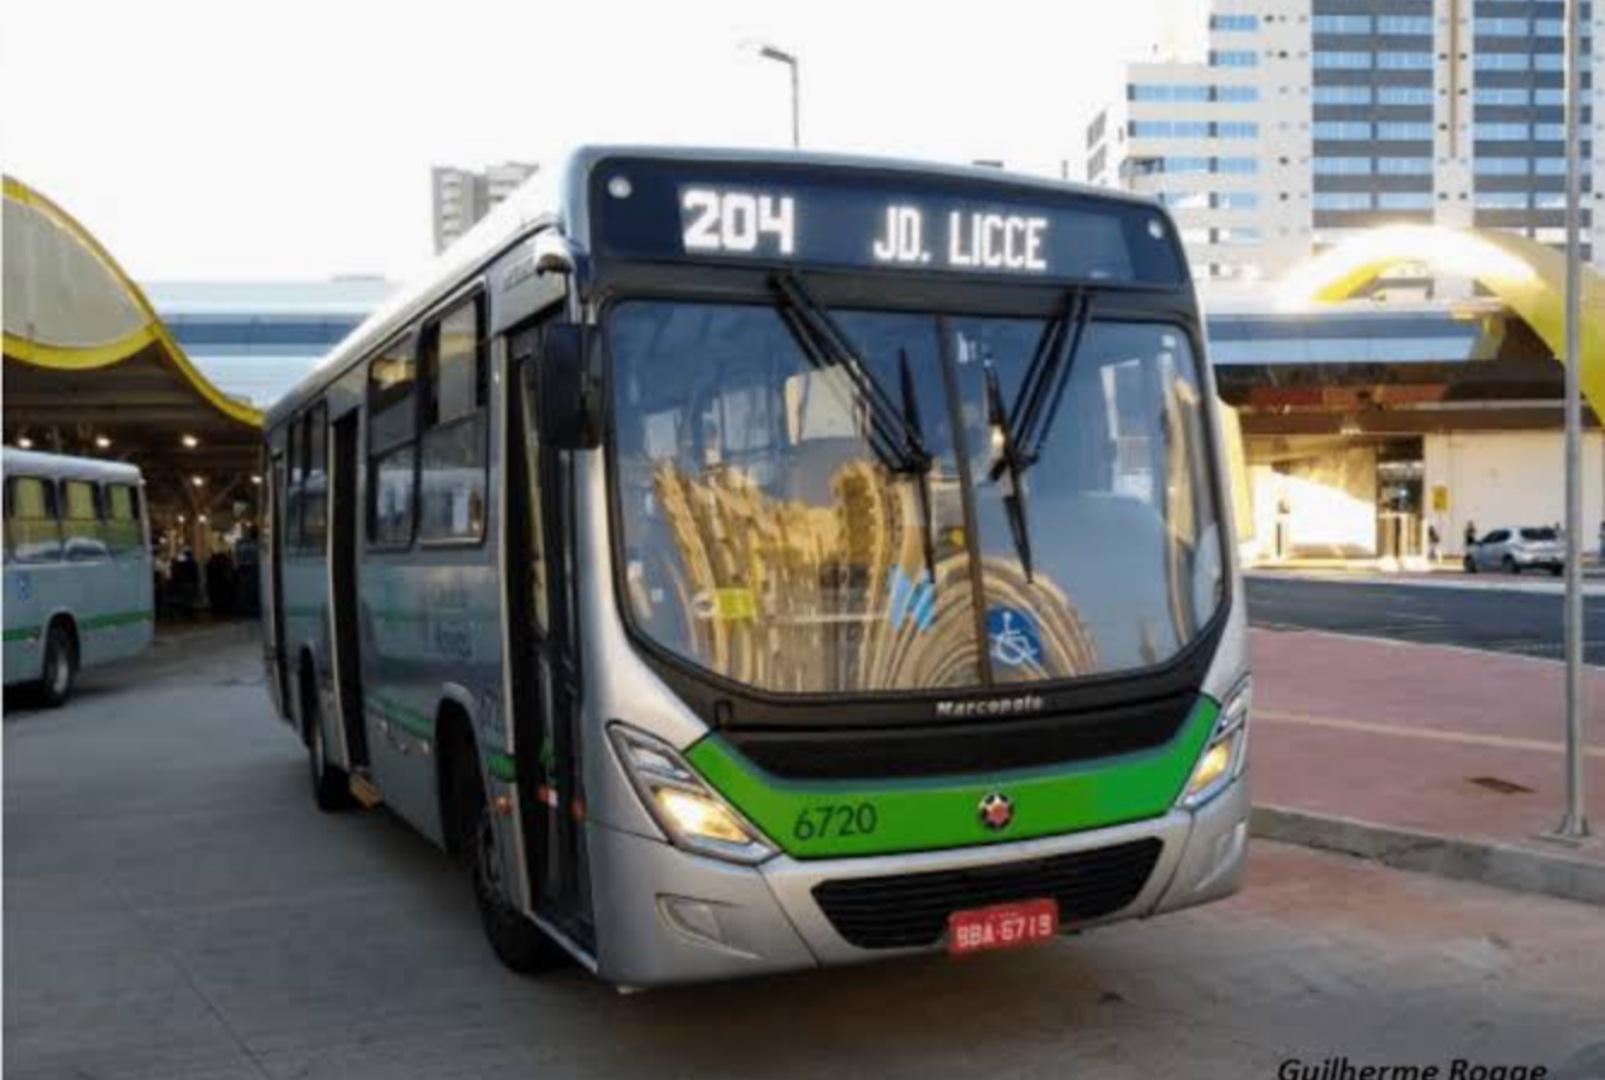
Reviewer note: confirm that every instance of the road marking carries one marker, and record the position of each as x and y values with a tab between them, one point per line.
1469	738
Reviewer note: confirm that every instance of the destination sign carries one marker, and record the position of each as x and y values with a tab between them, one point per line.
856	218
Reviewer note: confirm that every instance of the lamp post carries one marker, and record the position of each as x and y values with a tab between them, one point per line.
1574	825
769	52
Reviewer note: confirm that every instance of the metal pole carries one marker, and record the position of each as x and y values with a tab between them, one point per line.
796	107
1574	825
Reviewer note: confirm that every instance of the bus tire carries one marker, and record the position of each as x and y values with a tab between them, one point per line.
60	668
518	943
331	786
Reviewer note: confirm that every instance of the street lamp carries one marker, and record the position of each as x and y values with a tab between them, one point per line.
769	52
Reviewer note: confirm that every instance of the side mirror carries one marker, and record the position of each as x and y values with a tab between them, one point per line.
567	402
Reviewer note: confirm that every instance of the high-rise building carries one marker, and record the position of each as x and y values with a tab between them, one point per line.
1305	119
463	196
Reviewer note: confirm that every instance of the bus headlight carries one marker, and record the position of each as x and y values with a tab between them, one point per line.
688	811
1224	754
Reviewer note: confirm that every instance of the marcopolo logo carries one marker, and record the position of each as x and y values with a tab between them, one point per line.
1007	706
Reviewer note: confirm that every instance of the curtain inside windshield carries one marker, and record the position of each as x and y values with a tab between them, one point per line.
764	539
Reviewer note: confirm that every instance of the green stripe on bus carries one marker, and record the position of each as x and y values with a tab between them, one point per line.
92	622
415	722
825	819
501	767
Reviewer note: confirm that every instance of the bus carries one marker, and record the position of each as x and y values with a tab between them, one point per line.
78	584
747	562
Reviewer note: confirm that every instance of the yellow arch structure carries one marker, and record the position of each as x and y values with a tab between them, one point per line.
1529	277
53	261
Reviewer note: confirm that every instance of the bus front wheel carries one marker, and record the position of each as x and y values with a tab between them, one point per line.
60	666
518	943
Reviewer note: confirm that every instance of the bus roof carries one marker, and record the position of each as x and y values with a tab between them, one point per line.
557	197
37	463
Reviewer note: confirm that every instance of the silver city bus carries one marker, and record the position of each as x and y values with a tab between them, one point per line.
748	562
78	585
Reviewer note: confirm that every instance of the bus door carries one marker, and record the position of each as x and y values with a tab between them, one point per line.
344	601
544	666
273	560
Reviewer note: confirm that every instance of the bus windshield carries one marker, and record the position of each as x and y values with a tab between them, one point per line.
766	541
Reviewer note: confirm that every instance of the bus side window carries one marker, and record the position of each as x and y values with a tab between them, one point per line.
392	443
314	480
292	486
123	533
35	530
452	448
82	535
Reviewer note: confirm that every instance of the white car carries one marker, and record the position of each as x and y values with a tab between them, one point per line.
1517	548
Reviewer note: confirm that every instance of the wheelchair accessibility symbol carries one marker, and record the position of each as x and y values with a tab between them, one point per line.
1014	637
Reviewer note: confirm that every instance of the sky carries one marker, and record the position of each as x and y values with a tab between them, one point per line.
293	139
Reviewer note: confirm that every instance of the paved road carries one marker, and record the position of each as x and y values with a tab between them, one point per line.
1479	615
175	908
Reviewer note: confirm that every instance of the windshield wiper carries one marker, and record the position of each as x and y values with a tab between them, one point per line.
1023	432
894	432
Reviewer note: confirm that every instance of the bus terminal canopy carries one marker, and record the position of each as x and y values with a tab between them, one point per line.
90	369
1528	277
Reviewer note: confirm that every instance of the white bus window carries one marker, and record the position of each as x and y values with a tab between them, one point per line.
392	447
391	486
31	523
123	532
82	539
315	483
292	473
452	469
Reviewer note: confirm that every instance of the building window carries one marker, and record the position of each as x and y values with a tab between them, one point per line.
1345	95
1501	200
1402	131
392	443
1404	24
1236	200
1237	237
1549	95
1404	61
1501	166
1549	200
1404	95
1501	132
1502	61
1404	200
452	450
1342	129
1501	27
1341	200
1236	93
1341	60
1404	166
1237	129
1342	166
1179	164
1341	24
1501	95
1237	165
1233	58
1168	129
1234	22
1549	132
33	533
1168	92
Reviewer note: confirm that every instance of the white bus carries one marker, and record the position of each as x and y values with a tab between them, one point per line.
751	562
78	585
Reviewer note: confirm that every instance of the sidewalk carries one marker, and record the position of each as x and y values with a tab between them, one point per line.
1423	741
1446	573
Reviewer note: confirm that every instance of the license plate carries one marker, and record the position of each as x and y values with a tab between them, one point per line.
1002	926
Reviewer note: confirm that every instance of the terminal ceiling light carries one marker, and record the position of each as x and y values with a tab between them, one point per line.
191	442
25	443
102	441
201	519
256	478
198	481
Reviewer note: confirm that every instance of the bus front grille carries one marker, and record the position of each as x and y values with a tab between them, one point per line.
911	910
